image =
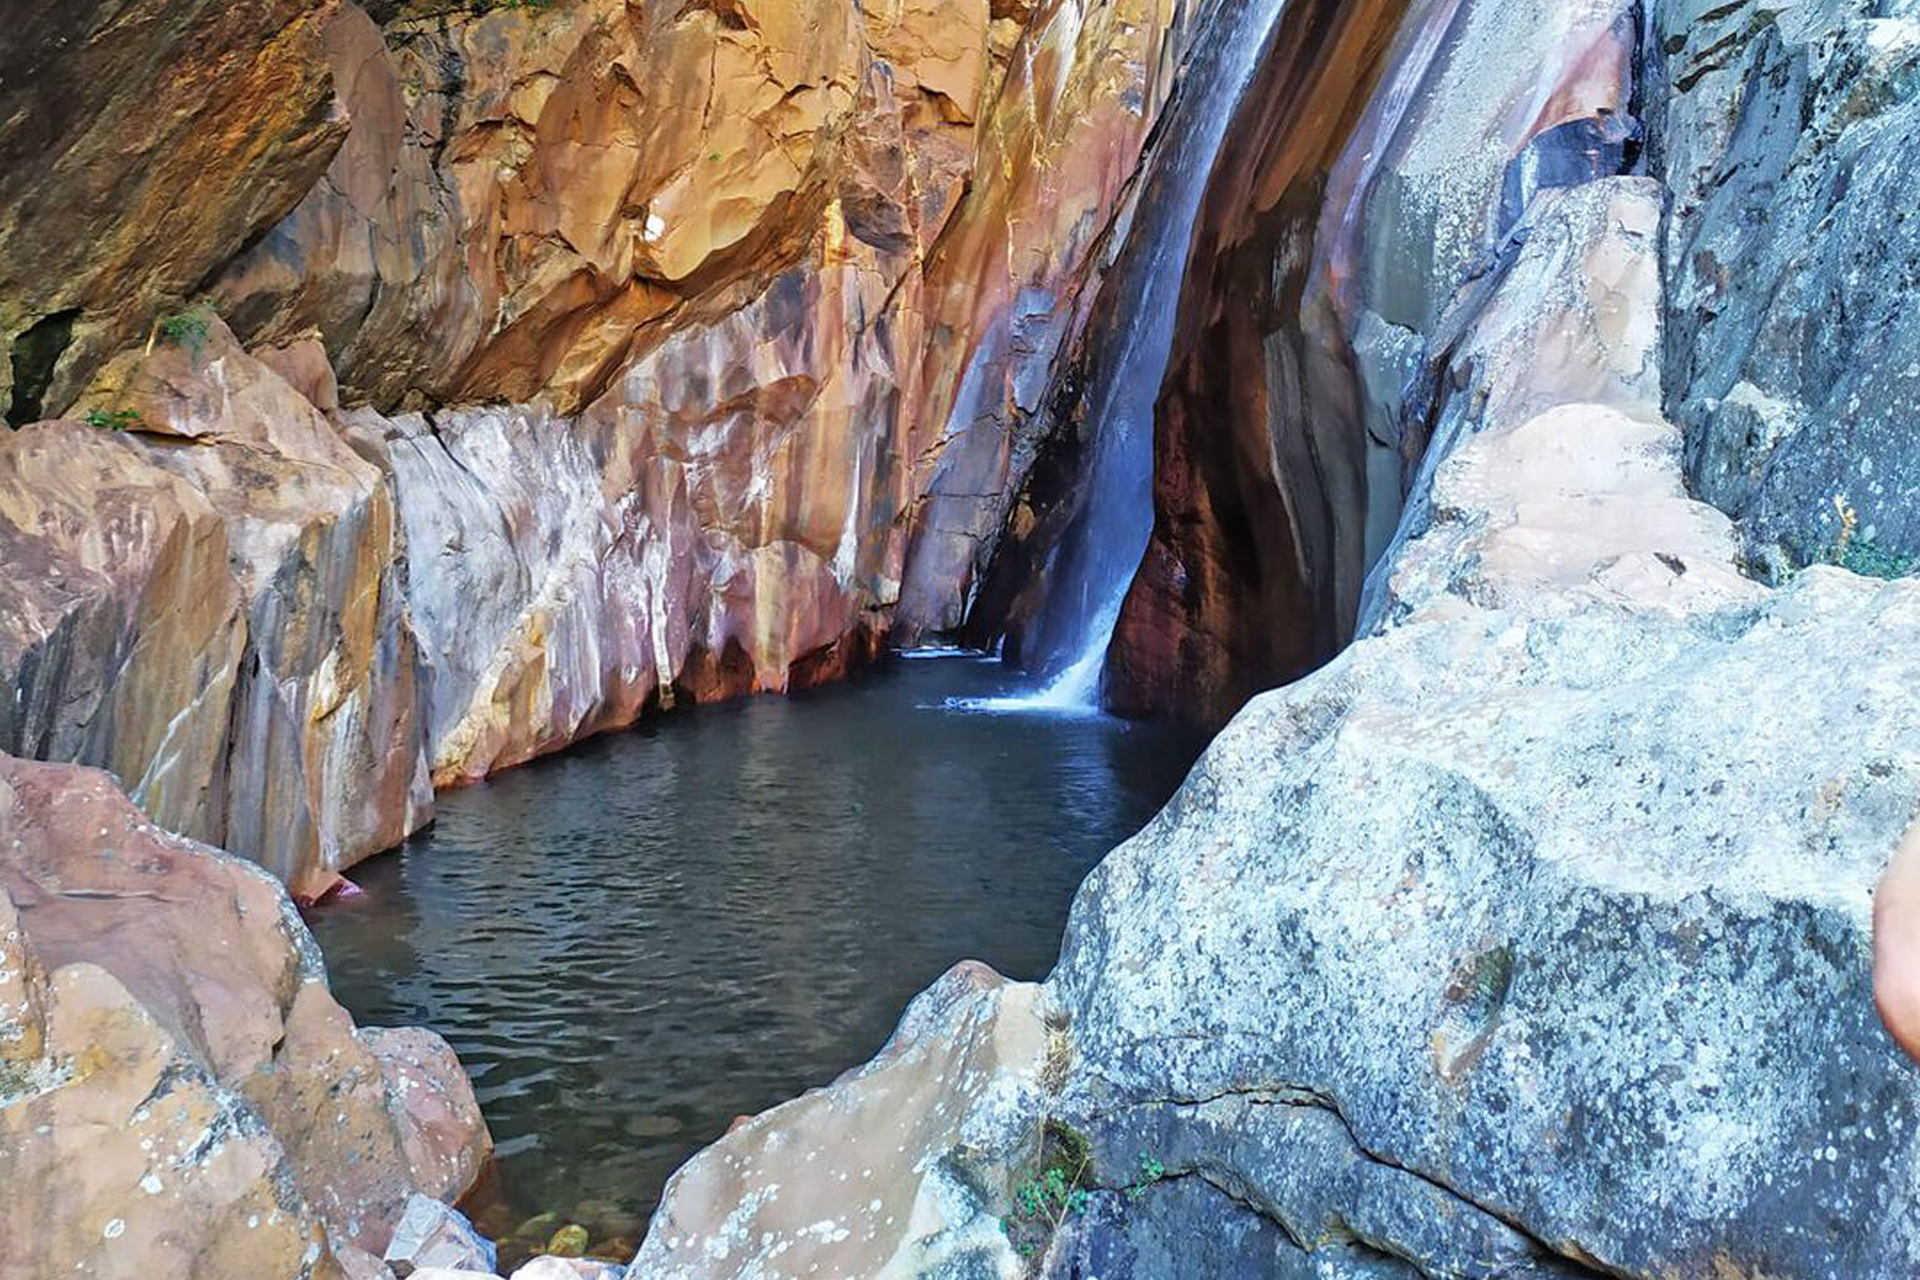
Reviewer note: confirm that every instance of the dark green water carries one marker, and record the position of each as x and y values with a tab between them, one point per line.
631	944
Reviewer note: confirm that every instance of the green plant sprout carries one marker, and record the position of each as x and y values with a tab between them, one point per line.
112	419
1860	555
1061	1188
1151	1171
189	329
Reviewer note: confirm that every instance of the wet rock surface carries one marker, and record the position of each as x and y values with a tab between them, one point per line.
1339	224
1281	470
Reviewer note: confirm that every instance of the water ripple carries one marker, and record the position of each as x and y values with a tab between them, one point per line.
633	943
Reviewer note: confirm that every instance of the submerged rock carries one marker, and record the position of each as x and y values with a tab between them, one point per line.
179	1095
570	1241
433	1235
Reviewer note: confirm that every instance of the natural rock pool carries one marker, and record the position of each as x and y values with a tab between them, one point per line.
631	944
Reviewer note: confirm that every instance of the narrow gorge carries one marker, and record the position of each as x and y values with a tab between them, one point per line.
1091	639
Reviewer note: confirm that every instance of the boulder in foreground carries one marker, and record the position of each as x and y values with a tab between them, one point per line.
180	1097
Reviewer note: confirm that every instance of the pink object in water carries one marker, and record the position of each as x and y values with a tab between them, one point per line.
340	888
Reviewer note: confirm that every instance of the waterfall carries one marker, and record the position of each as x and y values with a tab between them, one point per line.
1096	562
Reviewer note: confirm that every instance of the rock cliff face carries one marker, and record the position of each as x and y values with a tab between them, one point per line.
179	1095
141	144
1791	347
1304	384
1282	466
211	606
1511	941
488	377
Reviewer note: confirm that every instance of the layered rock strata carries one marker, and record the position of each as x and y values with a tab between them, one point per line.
211	606
179	1095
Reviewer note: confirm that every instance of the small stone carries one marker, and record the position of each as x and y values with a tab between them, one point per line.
615	1249
569	1241
540	1227
433	1235
569	1269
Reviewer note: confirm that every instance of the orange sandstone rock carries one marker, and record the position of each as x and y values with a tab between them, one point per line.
179	1095
623	353
141	146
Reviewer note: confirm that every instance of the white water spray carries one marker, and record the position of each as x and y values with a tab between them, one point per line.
1096	567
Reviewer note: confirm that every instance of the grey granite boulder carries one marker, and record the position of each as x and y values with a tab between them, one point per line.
1787	135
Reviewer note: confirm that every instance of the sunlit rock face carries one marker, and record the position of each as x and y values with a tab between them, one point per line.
872	236
1508	943
179	1095
529	198
591	356
140	145
211	606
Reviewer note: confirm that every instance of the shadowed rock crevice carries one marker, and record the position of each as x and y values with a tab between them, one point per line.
36	353
1259	460
1291	1155
1292	426
1311	84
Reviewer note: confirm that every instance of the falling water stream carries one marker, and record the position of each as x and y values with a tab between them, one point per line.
1097	561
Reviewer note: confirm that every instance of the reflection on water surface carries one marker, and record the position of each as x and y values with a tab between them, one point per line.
632	944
